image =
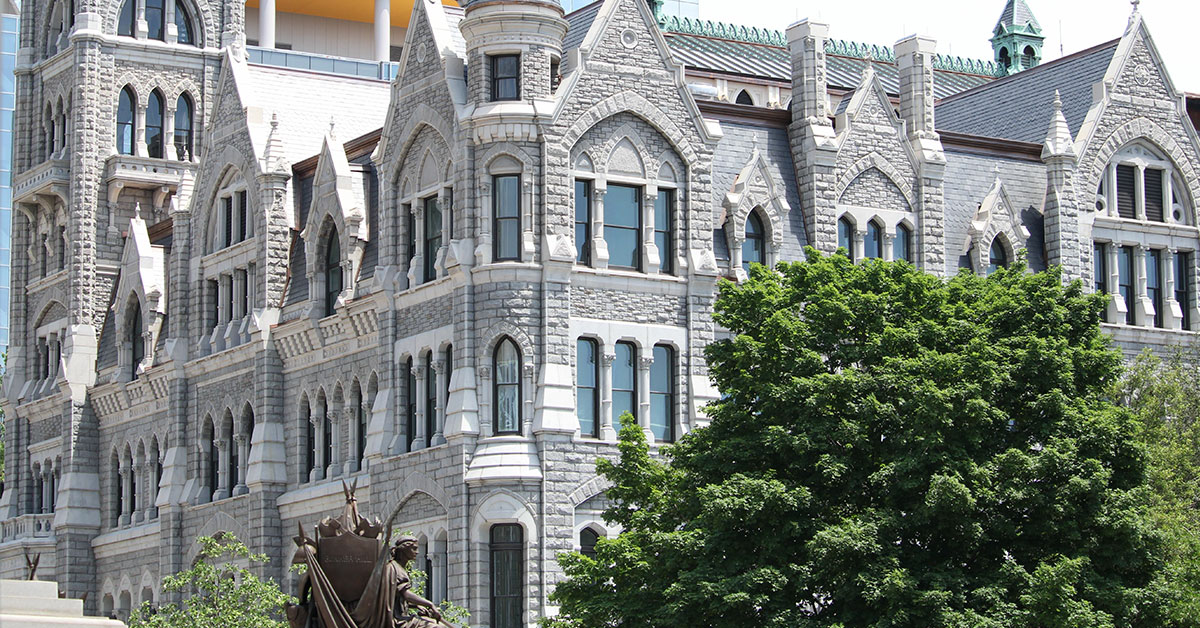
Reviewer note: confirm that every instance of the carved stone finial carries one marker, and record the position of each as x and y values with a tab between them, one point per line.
137	210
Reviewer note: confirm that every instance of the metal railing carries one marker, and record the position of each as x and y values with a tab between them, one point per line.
326	64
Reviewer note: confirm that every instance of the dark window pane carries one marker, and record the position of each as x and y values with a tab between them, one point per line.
126	20
430	399
1154	195
183	24
1154	284
752	248
183	127
664	209
586	386
333	272
506	208
873	246
410	390
155	19
507	550
505	77
997	257
583	221
662	394
433	236
1126	181
624	377
154	125
846	237
508	388
1100	273
1183	273
622	206
125	122
587	542
900	246
1125	280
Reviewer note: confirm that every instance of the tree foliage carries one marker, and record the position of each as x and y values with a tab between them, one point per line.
1164	397
218	590
890	450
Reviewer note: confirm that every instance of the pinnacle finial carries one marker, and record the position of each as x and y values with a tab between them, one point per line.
1057	101
1136	4
274	120
137	210
332	123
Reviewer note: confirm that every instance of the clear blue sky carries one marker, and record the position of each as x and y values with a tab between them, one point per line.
962	27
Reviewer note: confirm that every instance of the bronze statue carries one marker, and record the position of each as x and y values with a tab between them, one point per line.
355	579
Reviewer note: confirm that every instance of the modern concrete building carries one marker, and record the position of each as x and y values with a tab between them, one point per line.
246	274
10	19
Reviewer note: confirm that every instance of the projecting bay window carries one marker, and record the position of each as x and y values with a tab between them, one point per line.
622	226
1183	292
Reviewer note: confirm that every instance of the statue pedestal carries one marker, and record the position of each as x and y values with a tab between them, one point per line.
35	604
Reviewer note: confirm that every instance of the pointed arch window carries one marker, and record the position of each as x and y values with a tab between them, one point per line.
846	237
873	248
587	542
410	381
333	272
183	25
326	437
125	23
744	98
902	245
156	22
310	441
125	113
997	256
214	460
360	422
753	248
138	346
507	387
184	138
154	125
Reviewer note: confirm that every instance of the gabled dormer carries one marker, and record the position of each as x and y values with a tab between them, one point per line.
140	306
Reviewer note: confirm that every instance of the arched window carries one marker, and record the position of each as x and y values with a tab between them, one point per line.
183	25
214	460
507	549
333	271
662	394
231	455
156	19
310	441
360	417
846	237
154	125
126	21
326	437
507	393
1005	59
431	398
997	257
135	338
410	387
60	133
183	127
753	249
125	114
902	245
744	98
1029	57
873	246
587	387
587	542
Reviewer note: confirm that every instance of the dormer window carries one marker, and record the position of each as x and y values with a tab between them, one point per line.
997	256
506	72
138	346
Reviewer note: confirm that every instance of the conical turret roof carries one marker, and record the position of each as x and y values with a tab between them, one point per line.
1016	13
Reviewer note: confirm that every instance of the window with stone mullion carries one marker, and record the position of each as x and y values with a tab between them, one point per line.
433	237
583	221
622	226
664	218
624	382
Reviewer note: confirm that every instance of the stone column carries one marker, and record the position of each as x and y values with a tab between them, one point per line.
643	394
318	444
169	127
608	431
1141	316
223	479
889	254
859	252
440	376
1139	192
1173	316
126	496
266	23
242	442
651	256
383	29
139	509
421	440
599	247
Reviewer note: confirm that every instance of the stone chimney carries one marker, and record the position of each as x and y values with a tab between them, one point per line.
1062	226
811	133
914	60
810	90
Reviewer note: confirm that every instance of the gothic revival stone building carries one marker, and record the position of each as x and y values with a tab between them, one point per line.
240	283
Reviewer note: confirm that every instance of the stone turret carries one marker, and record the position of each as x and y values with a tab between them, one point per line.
1017	39
513	49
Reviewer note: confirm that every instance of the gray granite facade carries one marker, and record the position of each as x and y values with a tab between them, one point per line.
321	288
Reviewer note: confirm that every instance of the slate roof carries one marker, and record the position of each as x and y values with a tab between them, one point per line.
969	177
1017	13
1017	107
580	21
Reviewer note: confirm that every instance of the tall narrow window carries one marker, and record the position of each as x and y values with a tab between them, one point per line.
1126	196
227	219
507	550
448	357
156	23
506	217
873	246
1125	280
997	256
583	221
326	436
154	125
662	394
587	387
507	391
184	140
902	245
624	382
431	398
846	237
183	25
360	417
410	382
622	226
410	229
138	346
333	271
231	469
587	542
753	246
214	464
1154	194
1100	273
125	121
1154	283
244	223
125	22
1183	295
433	236
310	442
664	215
506	82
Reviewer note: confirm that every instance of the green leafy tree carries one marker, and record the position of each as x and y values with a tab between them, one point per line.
1164	397
218	590
891	450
